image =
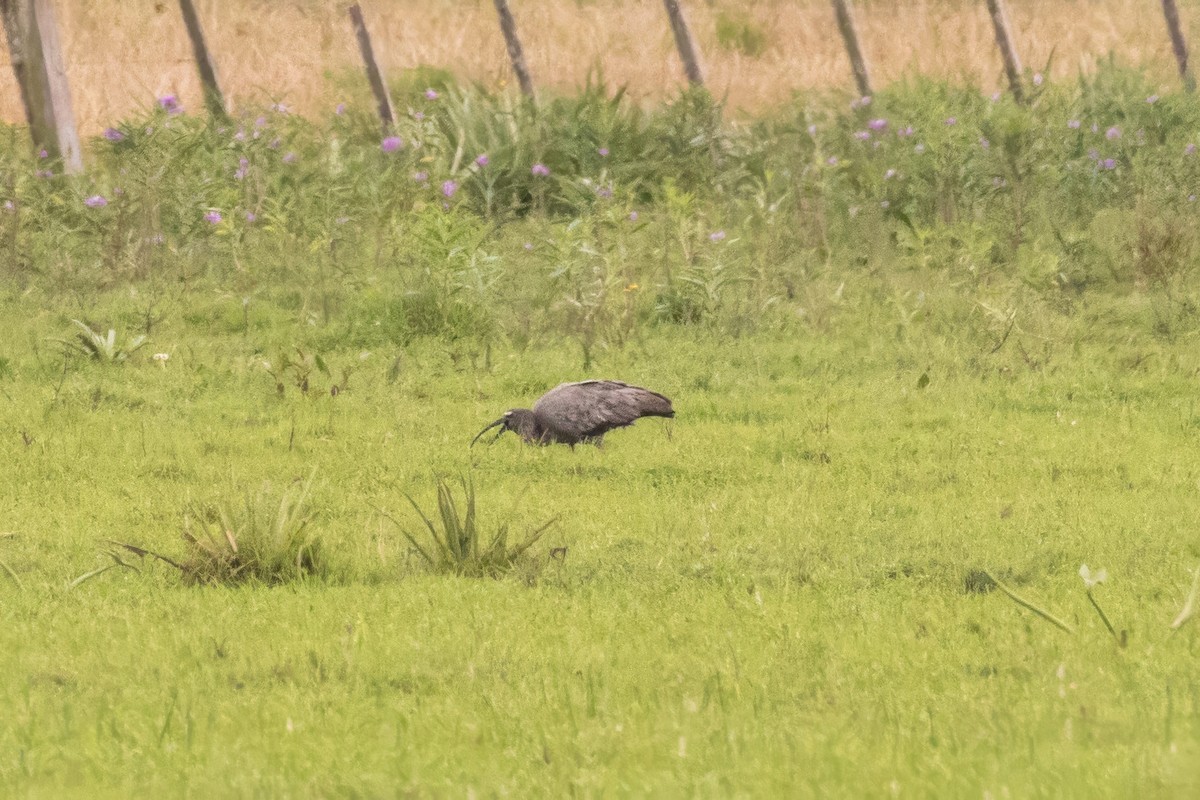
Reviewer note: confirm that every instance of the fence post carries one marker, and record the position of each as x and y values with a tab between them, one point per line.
38	64
1178	44
386	114
845	22
683	42
214	100
1008	52
516	55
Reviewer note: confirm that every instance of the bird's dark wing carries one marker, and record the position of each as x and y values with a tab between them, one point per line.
591	408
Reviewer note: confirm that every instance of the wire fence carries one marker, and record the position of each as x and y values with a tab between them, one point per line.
765	37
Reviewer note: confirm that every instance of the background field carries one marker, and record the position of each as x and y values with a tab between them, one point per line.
909	343
120	56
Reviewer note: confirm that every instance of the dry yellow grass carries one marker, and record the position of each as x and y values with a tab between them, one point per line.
122	54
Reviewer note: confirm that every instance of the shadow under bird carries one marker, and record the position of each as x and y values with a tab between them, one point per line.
574	413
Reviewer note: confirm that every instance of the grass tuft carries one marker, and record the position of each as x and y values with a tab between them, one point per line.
458	544
266	539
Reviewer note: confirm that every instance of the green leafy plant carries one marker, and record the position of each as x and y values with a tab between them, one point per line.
458	544
101	347
267	538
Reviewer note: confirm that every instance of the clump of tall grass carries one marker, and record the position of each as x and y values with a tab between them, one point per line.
106	348
265	537
460	545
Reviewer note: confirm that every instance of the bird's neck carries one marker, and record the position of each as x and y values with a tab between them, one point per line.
528	427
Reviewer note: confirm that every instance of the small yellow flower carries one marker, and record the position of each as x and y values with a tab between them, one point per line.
633	287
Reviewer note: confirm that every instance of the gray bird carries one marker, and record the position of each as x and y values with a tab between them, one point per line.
571	413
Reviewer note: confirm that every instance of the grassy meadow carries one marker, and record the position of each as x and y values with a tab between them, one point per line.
915	346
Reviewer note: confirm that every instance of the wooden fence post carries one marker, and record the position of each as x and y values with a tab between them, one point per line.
214	100
516	55
1008	52
845	22
386	114
683	42
1178	44
38	64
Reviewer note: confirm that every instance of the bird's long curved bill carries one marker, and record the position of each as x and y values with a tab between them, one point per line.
488	428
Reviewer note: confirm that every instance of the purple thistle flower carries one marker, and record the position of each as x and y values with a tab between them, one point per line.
391	144
605	192
113	135
240	136
877	124
1038	79
44	173
951	120
633	216
1113	133
9	205
339	109
831	161
418	115
1073	124
1189	150
96	201
213	217
43	153
1152	99
170	104
540	170
603	151
862	136
260	122
449	188
430	94
289	157
905	132
243	169
420	177
984	143
996	97
251	217
716	236
279	108
481	160
1109	163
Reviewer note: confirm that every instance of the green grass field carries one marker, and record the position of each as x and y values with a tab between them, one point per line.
779	593
771	595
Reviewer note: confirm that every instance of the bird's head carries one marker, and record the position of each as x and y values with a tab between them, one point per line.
519	420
